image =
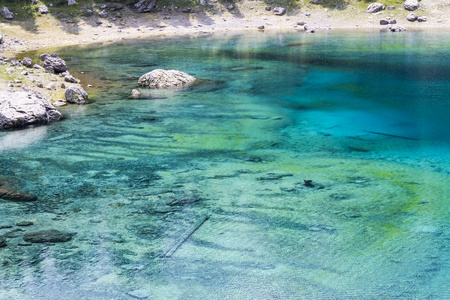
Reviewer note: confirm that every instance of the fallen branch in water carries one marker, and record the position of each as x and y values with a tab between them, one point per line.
392	135
185	236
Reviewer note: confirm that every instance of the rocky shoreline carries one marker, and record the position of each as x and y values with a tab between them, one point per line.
31	91
111	22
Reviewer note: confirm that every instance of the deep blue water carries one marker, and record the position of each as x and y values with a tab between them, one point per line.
364	116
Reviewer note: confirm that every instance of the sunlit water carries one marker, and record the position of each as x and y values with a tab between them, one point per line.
364	116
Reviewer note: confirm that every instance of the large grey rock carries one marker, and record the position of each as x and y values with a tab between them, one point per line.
160	78
47	236
6	13
24	108
144	6
71	2
43	9
384	21
53	63
103	14
411	5
375	7
76	95
279	11
412	17
27	62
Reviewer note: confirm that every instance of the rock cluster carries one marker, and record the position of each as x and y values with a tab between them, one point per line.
52	63
412	17
387	21
25	108
160	78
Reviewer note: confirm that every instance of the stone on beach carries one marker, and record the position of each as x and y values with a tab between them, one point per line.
384	21
27	62
411	5
412	17
279	11
76	95
160	78
375	7
23	108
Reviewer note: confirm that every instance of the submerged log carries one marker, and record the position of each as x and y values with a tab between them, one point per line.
16	196
185	236
392	135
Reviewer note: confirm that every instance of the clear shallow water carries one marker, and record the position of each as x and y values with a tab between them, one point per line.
362	115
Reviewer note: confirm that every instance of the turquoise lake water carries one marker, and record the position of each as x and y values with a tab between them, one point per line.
306	166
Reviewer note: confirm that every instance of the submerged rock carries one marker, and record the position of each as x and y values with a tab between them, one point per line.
47	236
24	108
6	13
135	94
76	95
375	7
160	78
3	243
